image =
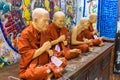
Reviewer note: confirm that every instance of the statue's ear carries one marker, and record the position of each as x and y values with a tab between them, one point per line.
35	20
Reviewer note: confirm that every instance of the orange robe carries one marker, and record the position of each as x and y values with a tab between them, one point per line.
55	33
89	35
29	41
83	47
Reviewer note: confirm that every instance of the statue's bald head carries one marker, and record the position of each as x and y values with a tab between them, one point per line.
40	19
93	15
58	14
38	13
93	18
59	19
84	22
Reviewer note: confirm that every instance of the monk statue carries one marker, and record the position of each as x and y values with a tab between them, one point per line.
92	20
77	37
33	46
92	33
58	35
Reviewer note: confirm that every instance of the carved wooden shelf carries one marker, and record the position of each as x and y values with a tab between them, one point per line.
90	66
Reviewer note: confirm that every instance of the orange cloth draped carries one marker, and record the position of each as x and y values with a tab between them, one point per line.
83	47
55	33
29	41
89	35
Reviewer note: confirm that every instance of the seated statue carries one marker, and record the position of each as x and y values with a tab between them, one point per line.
77	37
58	35
92	33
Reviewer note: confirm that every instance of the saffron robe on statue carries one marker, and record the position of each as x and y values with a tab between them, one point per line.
54	33
83	47
29	41
89	35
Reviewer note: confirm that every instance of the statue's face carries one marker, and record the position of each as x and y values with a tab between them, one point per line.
43	22
94	19
86	24
60	21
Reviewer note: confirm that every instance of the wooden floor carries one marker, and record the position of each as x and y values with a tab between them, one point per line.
7	71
